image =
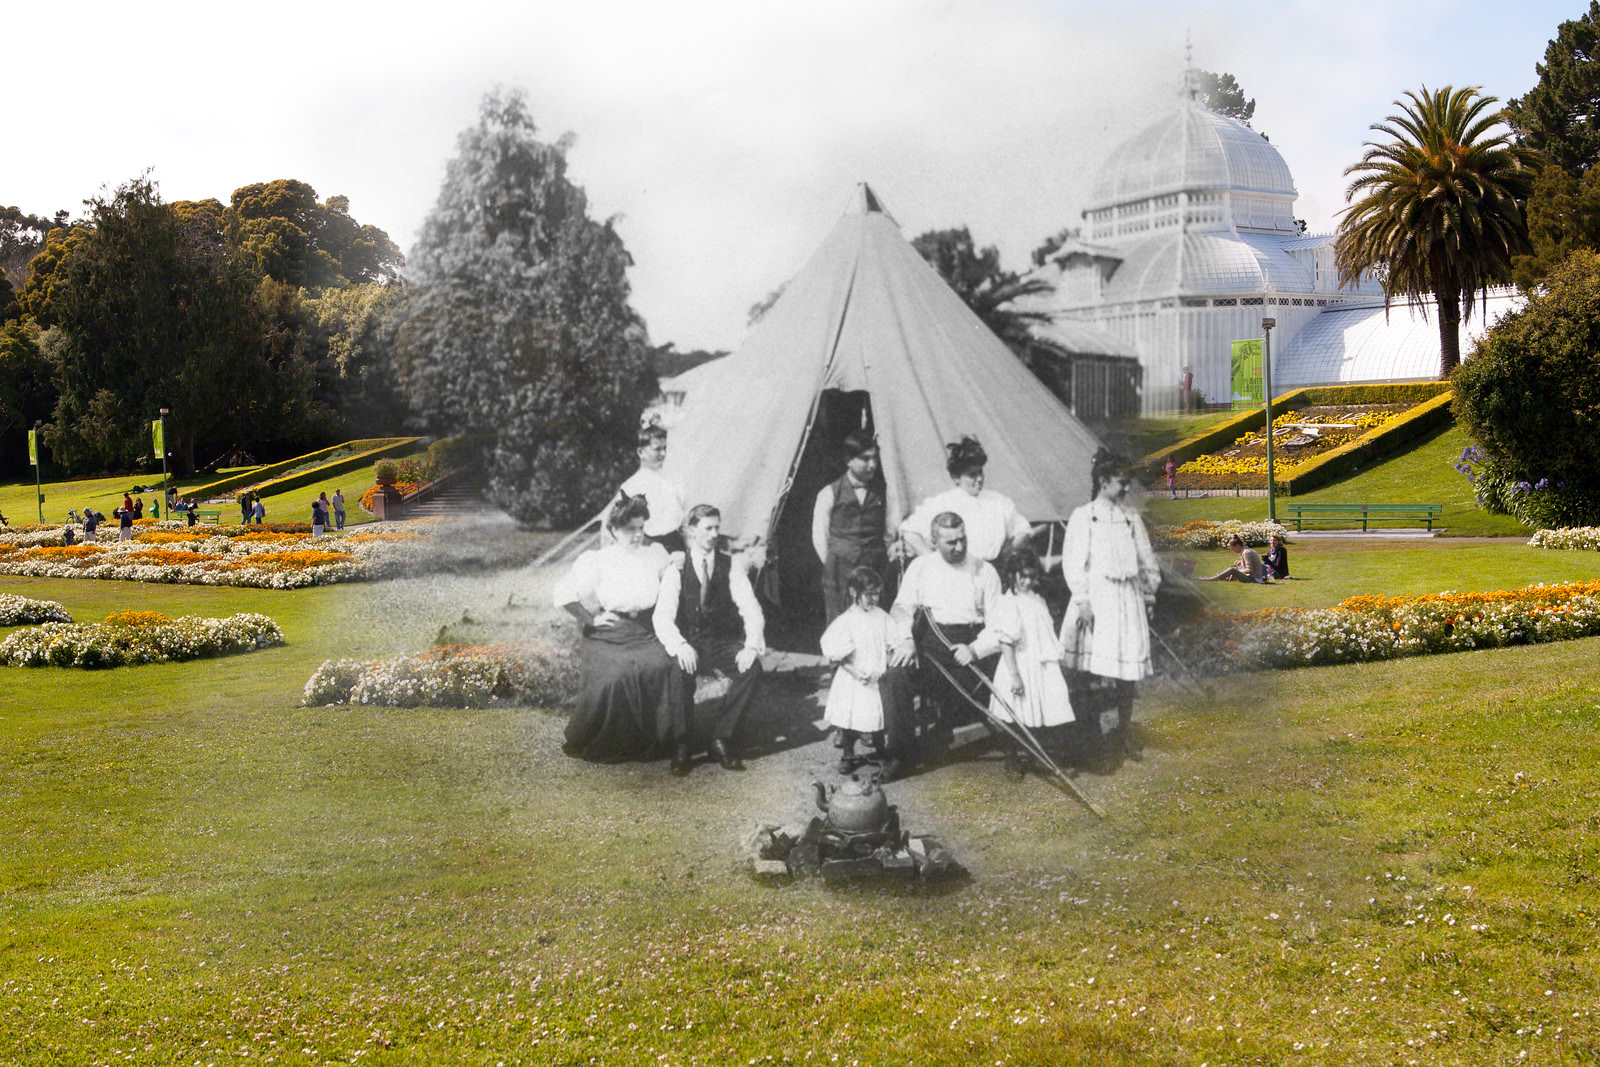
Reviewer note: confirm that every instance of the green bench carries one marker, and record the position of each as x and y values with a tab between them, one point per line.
1302	512
208	515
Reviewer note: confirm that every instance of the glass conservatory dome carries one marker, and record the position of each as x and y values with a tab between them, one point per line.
1190	149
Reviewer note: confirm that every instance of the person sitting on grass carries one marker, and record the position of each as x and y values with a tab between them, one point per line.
1247	568
1277	560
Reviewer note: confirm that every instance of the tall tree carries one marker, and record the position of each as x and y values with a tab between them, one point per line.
1221	93
21	237
1560	115
1437	210
150	310
287	235
516	322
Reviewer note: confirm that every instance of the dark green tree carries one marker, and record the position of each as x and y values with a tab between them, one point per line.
284	233
1560	115
1221	93
1530	396
1437	210
26	391
515	323
152	309
21	237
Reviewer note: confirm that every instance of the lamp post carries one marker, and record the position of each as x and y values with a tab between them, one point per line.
165	487
33	454
1266	389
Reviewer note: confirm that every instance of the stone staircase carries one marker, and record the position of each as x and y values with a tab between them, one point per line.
459	493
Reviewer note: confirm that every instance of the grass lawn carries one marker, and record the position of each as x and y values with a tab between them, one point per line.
1151	435
1378	864
1327	571
1425	474
105	494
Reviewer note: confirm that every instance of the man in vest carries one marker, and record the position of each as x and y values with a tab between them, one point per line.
707	619
848	524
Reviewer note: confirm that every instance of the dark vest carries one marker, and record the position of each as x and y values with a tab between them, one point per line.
855	528
718	617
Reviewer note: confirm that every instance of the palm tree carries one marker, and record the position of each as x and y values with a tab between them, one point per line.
1439	210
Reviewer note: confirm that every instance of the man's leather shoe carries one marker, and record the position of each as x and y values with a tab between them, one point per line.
680	760
725	756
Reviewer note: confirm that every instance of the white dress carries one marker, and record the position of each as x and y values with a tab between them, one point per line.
1110	569
1023	621
864	638
991	519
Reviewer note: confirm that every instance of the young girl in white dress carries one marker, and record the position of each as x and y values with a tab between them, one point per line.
1029	687
859	641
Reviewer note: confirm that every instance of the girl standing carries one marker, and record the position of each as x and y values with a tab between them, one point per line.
859	640
1029	688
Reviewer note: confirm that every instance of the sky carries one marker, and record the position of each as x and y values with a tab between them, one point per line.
724	136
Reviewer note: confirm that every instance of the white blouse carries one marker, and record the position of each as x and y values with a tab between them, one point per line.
615	578
992	520
664	498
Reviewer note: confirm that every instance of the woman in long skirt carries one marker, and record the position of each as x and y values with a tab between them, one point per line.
623	711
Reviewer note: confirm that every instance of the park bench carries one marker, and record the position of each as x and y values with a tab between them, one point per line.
1364	512
208	515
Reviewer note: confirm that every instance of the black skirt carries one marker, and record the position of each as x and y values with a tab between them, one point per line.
623	712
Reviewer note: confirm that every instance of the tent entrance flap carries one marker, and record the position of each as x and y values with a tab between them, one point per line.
791	582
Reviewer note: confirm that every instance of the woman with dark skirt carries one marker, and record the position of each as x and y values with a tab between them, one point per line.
623	712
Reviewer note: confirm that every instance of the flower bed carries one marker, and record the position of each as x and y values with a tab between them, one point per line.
1572	538
452	676
1202	534
133	637
1244	463
20	611
1365	628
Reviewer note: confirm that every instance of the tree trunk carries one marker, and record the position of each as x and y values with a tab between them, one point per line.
1449	333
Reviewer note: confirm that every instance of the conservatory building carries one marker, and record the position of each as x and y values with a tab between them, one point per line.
1190	240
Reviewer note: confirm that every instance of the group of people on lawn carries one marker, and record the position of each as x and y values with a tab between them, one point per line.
964	632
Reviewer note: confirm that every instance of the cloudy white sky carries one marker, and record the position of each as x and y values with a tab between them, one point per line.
725	134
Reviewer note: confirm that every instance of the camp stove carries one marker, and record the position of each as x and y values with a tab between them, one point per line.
856	838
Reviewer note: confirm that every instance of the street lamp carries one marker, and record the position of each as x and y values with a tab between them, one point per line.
1266	388
166	488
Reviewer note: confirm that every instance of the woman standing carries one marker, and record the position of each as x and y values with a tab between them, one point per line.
1113	574
623	710
992	520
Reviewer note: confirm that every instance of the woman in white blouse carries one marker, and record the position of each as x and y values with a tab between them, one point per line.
623	711
992	520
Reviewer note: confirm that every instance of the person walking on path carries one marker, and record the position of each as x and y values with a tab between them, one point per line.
338	509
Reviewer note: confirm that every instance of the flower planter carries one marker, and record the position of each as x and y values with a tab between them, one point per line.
387	503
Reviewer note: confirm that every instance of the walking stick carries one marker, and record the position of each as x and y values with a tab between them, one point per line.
1013	729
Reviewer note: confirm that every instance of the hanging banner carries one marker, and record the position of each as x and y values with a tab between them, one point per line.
158	437
33	447
1246	376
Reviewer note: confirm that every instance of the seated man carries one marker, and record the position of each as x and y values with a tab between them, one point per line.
944	599
707	618
1247	568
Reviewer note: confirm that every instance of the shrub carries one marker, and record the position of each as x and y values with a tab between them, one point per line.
1530	395
385	472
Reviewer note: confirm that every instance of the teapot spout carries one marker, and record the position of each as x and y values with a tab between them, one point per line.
822	796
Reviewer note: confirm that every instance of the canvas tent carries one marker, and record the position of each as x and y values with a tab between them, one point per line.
868	318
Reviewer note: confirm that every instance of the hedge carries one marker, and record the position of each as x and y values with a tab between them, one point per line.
1367	449
1225	433
371	449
